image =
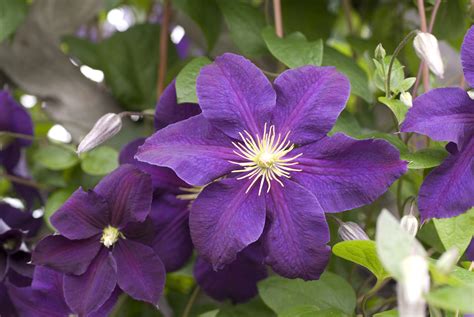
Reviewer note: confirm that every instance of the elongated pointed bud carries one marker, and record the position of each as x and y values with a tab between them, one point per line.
447	261
409	223
380	52
415	283
406	98
105	128
470	93
351	231
426	47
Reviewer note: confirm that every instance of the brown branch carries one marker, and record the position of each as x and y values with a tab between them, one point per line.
346	6
164	34
278	18
424	28
23	181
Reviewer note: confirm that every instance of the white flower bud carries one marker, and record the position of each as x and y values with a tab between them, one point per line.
351	231
406	98
105	128
470	93
427	49
409	223
412	287
447	261
380	52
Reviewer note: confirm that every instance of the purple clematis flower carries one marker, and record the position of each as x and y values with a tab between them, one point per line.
170	215
270	169
447	114
45	297
15	119
104	241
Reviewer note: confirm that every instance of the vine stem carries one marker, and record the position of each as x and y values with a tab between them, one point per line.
378	285
23	181
278	18
192	300
162	64
394	56
33	138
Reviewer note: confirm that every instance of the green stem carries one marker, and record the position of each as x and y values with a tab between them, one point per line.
392	60
33	138
378	285
399	196
192	300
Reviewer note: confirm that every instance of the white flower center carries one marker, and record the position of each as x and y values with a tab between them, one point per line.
266	159
190	193
110	235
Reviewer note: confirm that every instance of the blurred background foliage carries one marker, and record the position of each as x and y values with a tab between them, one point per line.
116	49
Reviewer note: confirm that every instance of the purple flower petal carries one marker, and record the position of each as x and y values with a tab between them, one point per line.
19	262
196	151
344	173
87	292
443	114
172	242
237	281
309	100
168	111
143	232
128	192
224	220
68	256
48	280
467	56
109	304
235	95
161	177
14	118
83	215
296	235
140	272
447	190
470	251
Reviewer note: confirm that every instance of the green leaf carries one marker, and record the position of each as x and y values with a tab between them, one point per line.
186	80
250	309
397	76
312	311
453	298
212	313
293	50
456	231
426	158
394	244
245	23
347	66
207	16
129	61
388	313
331	291
398	108
55	157
55	200
12	14
407	83
362	252
100	161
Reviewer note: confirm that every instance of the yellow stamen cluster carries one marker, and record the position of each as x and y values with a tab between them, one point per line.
110	235
265	158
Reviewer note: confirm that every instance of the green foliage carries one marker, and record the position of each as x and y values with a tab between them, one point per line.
100	161
453	298
186	80
330	292
293	50
457	231
129	61
425	158
206	15
245	23
252	308
12	14
362	252
56	157
398	108
55	200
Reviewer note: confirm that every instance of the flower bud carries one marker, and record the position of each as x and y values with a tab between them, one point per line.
380	52
470	93
105	128
351	231
447	261
412	287
427	49
406	98
409	223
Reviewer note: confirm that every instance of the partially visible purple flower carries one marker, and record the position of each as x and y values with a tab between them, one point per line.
18	219
15	119
470	251
447	114
45	297
104	241
270	169
170	215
